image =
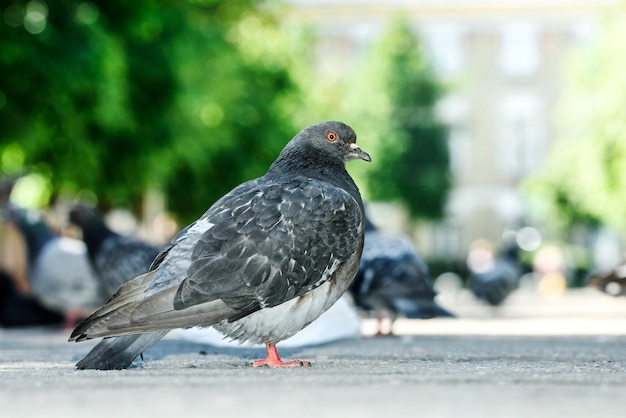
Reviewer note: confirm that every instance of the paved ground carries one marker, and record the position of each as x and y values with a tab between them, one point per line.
429	374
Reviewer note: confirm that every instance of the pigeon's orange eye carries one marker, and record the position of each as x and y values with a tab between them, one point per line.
331	136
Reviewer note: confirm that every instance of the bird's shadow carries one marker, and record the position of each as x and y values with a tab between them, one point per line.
167	348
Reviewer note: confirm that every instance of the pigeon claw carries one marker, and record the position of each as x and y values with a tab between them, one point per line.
274	360
268	363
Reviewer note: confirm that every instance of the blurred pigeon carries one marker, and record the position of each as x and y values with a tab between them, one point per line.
612	282
494	281
115	258
21	310
393	279
58	270
262	263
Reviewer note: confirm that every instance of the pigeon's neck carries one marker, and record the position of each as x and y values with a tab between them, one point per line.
94	235
317	167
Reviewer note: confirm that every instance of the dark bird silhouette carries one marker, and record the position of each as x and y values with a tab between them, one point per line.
115	258
393	279
21	310
58	270
612	282
497	278
261	264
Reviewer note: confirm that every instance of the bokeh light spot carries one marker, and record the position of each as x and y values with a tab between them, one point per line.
212	115
12	159
35	20
13	16
31	191
87	13
87	197
528	239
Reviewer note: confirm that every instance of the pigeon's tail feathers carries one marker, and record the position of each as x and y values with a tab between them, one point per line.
444	313
129	311
419	308
118	353
130	293
152	315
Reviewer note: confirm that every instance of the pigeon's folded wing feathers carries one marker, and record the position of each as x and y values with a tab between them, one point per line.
286	258
260	253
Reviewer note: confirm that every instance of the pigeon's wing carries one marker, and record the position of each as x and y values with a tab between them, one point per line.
171	264
169	246
270	244
258	246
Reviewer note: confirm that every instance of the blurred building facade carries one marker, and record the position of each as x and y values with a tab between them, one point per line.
503	62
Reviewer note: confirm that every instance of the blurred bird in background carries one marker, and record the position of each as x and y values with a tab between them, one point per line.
393	281
20	310
492	278
115	258
58	272
612	282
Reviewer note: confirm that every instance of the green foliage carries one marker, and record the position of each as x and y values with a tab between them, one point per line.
412	160
233	110
585	177
193	97
117	97
388	96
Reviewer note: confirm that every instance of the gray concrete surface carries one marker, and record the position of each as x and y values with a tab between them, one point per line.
429	374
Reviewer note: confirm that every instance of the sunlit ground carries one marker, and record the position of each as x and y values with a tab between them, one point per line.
583	311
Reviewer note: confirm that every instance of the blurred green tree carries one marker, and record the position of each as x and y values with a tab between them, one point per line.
117	97
585	177
412	159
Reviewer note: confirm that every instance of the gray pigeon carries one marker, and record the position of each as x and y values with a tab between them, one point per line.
393	279
262	263
494	284
58	269
115	258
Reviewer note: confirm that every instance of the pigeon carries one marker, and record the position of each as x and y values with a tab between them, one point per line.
393	279
260	264
612	282
58	269
497	278
21	310
115	258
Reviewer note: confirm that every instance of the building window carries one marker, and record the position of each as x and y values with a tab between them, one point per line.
444	44
460	148
519	49
452	111
521	142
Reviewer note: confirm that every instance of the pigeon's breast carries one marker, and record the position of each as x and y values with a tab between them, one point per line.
285	320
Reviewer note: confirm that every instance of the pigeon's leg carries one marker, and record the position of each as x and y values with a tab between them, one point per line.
384	324
273	359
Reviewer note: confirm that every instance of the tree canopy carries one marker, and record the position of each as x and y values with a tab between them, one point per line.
585	177
193	97
412	164
117	97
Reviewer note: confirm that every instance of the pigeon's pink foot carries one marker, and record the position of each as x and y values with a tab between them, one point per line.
273	359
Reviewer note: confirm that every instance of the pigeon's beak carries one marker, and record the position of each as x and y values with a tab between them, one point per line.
358	153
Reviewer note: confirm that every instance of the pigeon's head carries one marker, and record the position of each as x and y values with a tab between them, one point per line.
83	216
335	141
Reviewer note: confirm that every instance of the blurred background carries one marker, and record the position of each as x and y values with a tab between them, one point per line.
497	129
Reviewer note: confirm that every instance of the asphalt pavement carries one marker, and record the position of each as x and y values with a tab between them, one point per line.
437	368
